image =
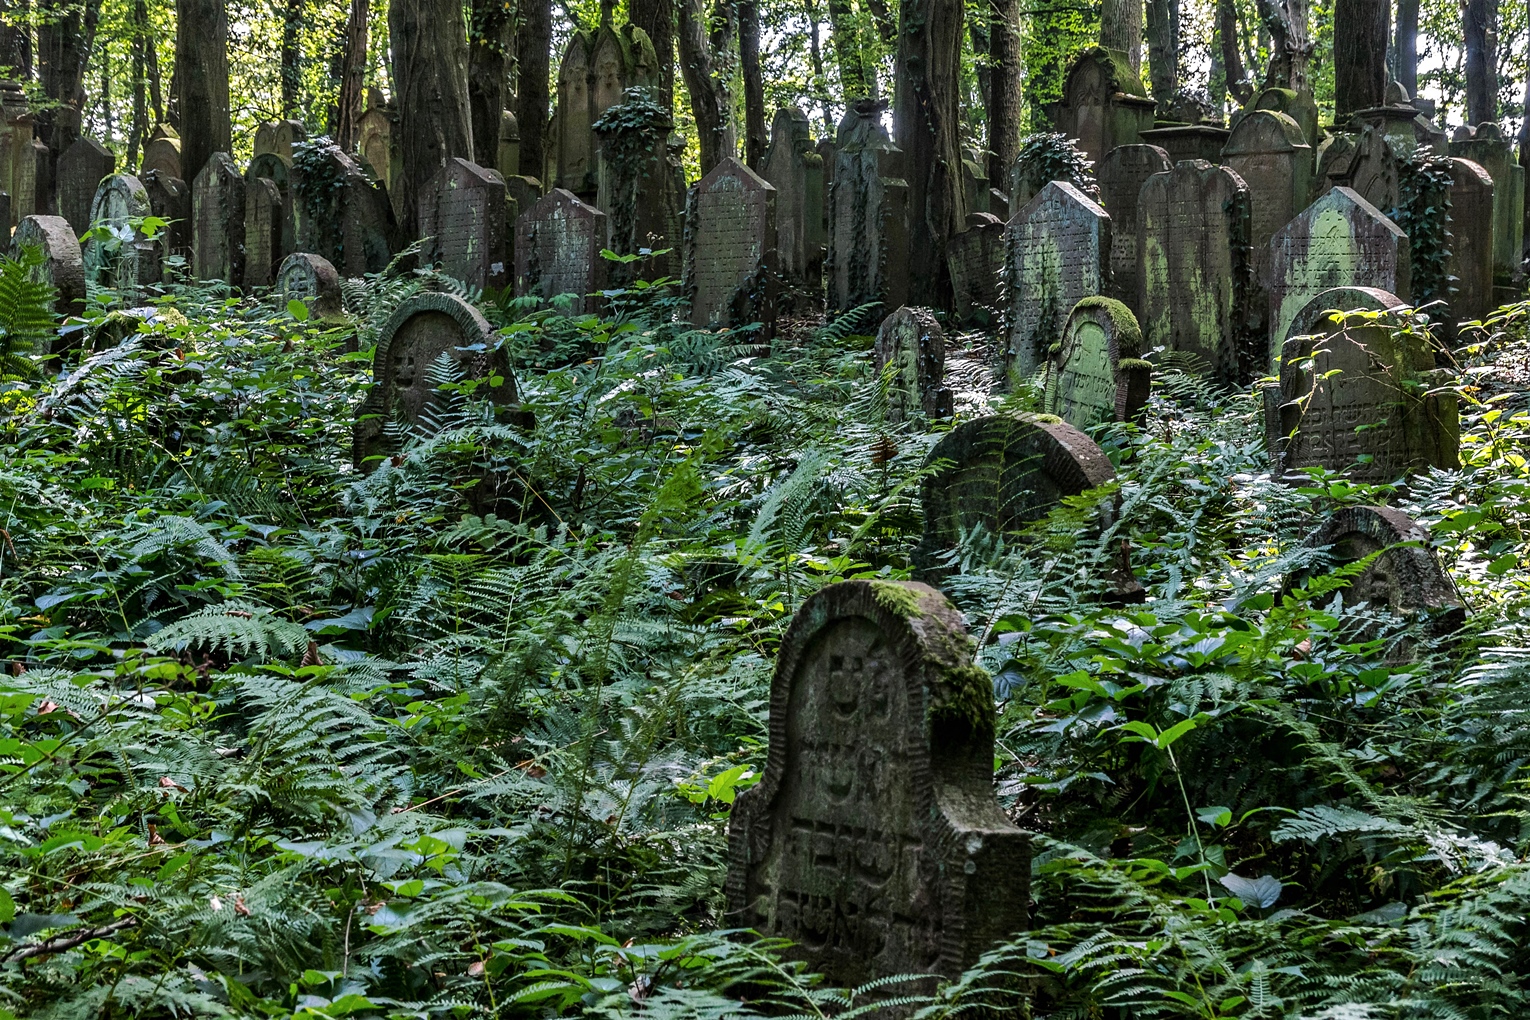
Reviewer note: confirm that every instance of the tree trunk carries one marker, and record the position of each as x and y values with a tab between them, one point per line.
429	43
353	69
1121	29
201	82
532	97
855	79
927	123
1163	50
1006	98
156	92
1480	23
64	42
489	44
141	42
755	136
704	61
1406	46
820	80
657	18
106	98
1359	55
15	39
1290	45
881	15
1233	71
292	57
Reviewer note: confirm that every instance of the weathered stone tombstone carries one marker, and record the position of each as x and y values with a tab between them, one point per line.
1470	229
1197	282
975	259
868	215
64	265
1104	103
375	143
313	281
271	167
217	211
639	186
262	232
1353	395
462	222
18	156
795	168
340	214
557	250
873	841
422	329
1269	151
1485	146
277	137
1096	374
162	152
573	122
508	160
1299	106
1121	175
1057	252
170	200
80	170
975	180
1341	240
911	340
730	247
998	205
126	261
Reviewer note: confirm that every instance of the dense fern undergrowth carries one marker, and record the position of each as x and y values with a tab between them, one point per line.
281	739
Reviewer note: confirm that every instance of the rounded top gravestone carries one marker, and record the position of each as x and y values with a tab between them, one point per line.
65	265
912	341
873	840
312	280
1096	374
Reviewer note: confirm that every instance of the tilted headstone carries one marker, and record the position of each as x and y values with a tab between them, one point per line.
1485	146
912	342
1104	103
262	232
313	281
217	211
794	167
1341	240
1354	396
1096	374
975	259
868	214
557	250
638	186
271	167
1121	175
1470	229
1057	252
462	221
64	267
125	261
1197	275
1269	151
340	214
162	152
80	169
730	247
873	840
170	200
18	156
621	57
422	329
508	159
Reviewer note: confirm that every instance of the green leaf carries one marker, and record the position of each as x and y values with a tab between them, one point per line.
298	310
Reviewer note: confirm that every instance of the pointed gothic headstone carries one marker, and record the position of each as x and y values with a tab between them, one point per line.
1104	103
795	168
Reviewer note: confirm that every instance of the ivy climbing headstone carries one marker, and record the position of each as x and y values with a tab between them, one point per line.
341	214
640	185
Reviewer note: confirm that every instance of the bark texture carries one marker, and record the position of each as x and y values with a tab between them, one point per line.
353	67
1359	55
855	78
1233	71
1121	29
533	51
705	59
1405	46
429	43
64	41
657	18
201	82
488	67
1006	97
141	42
1290	43
292	56
1480	24
1163	50
15	39
755	136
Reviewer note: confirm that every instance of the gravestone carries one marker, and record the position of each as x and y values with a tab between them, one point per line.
573	121
340	214
1470	230
998	204
376	146
1192	239
1104	103
1353	395
170	200
313	281
508	160
277	137
868	214
873	840
521	193
1121	175
271	167
162	152
126	261
1341	240
975	187
1299	106
18	156
640	186
262	232
794	167
1485	146
730	247
422	329
1096	374
1057	252
64	268
462	222
975	259
1269	151
217	212
912	341
557	250
80	169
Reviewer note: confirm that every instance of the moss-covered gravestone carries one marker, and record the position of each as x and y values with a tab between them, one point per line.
1470	230
422	330
1096	374
313	281
868	214
1121	175
217	221
557	250
873	841
794	167
162	152
462	223
64	264
912	342
1056	253
730	247
1104	103
1485	146
1354	394
341	214
1197	279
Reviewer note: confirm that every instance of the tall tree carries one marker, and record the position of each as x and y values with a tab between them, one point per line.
489	42
428	39
1233	71
1121	29
141	43
533	54
1290	43
1359	55
657	18
1405	45
1480	25
1006	97
65	35
353	67
927	122
755	137
292	57
706	57
16	38
856	79
1163	50
201	82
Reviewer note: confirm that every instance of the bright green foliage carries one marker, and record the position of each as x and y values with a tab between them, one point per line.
26	304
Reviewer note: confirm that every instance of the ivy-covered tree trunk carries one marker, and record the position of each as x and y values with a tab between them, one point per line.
489	44
201	82
1005	94
65	36
1290	43
1121	29
429	44
1163	50
1359	55
292	57
532	95
706	56
855	78
1405	45
353	67
755	137
927	123
657	18
1480	29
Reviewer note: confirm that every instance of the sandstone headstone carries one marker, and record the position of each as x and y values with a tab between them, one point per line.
873	841
313	281
912	341
375	143
162	152
573	122
1104	103
18	156
1057	252
80	169
462	219
794	167
1299	106
1269	151
271	167
64	267
262	232
1341	240
868	214
422	329
217	211
1121	175
123	261
975	180
1470	229
1486	147
730	247
557	250
975	259
508	161
1096	374
1192	239
340	214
